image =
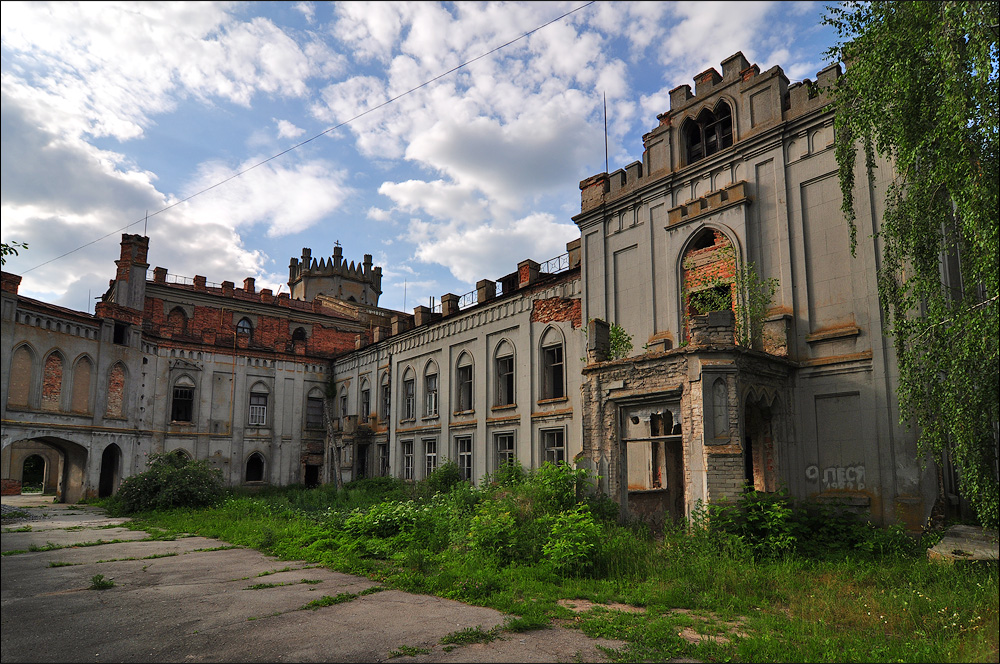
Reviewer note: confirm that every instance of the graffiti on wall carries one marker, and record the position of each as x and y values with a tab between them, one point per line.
838	477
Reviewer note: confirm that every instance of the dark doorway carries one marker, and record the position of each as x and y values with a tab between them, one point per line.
33	474
362	461
255	468
312	476
110	465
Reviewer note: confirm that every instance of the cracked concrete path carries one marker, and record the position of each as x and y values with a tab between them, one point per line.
190	600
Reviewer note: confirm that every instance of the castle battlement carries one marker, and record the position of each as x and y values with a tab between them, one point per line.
334	277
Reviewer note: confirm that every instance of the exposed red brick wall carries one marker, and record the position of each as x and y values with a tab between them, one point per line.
557	309
116	392
707	267
216	326
10	282
52	382
10	487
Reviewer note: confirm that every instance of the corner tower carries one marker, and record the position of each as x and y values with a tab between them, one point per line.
308	277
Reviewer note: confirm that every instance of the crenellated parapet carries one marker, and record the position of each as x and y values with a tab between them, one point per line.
334	277
723	111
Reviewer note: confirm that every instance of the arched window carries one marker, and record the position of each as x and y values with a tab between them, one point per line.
80	398
409	395
463	383
553	378
117	378
366	402
386	397
299	334
431	389
21	371
255	468
709	132
503	364
343	401
244	327
52	376
709	266
182	401
314	409
177	321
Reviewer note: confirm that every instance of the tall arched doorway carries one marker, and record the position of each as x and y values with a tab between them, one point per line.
111	462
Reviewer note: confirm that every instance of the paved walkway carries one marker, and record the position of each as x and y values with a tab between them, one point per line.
189	600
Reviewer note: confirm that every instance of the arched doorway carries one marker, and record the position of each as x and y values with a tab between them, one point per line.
255	468
65	474
33	474
110	471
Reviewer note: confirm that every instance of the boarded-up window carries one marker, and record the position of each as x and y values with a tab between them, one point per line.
52	378
81	386
116	392
177	321
19	389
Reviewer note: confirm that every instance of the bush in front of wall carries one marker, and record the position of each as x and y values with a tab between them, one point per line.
170	481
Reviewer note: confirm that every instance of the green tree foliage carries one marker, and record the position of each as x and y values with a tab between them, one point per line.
172	480
920	90
10	249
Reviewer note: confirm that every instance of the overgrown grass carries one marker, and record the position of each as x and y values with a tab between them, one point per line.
770	579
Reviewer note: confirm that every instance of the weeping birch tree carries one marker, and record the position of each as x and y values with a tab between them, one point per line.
920	90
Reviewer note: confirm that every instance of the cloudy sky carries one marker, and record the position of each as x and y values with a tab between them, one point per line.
435	136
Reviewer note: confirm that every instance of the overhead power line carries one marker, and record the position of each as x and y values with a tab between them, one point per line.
313	138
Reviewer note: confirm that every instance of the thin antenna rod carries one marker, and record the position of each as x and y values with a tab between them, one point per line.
146	222
605	132
404	294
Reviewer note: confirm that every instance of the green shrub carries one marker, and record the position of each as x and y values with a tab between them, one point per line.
572	542
171	481
386	519
443	478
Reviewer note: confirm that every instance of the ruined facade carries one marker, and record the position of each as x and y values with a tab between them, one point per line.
743	172
232	375
715	396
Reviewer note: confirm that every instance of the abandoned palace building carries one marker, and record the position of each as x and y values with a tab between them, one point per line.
738	174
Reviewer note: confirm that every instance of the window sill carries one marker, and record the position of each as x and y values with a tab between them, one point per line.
464	412
510	406
563	399
428	418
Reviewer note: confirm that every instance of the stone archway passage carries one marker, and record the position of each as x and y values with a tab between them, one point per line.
33	474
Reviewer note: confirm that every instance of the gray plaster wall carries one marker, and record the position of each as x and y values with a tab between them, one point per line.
476	332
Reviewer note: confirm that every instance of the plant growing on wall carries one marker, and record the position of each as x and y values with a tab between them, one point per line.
755	297
920	89
619	342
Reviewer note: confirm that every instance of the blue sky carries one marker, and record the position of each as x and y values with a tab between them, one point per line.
114	110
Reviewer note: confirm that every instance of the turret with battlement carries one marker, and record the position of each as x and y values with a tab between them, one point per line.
309	277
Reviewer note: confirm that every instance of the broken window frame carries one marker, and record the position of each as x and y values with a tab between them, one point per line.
652	446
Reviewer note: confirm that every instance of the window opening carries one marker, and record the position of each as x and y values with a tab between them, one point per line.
244	327
464	445
314	413
430	457
431	395
383	459
552	376
366	404
299	334
182	408
553	442
505	381
464	376
505	448
407	459
386	394
258	409
709	133
409	400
